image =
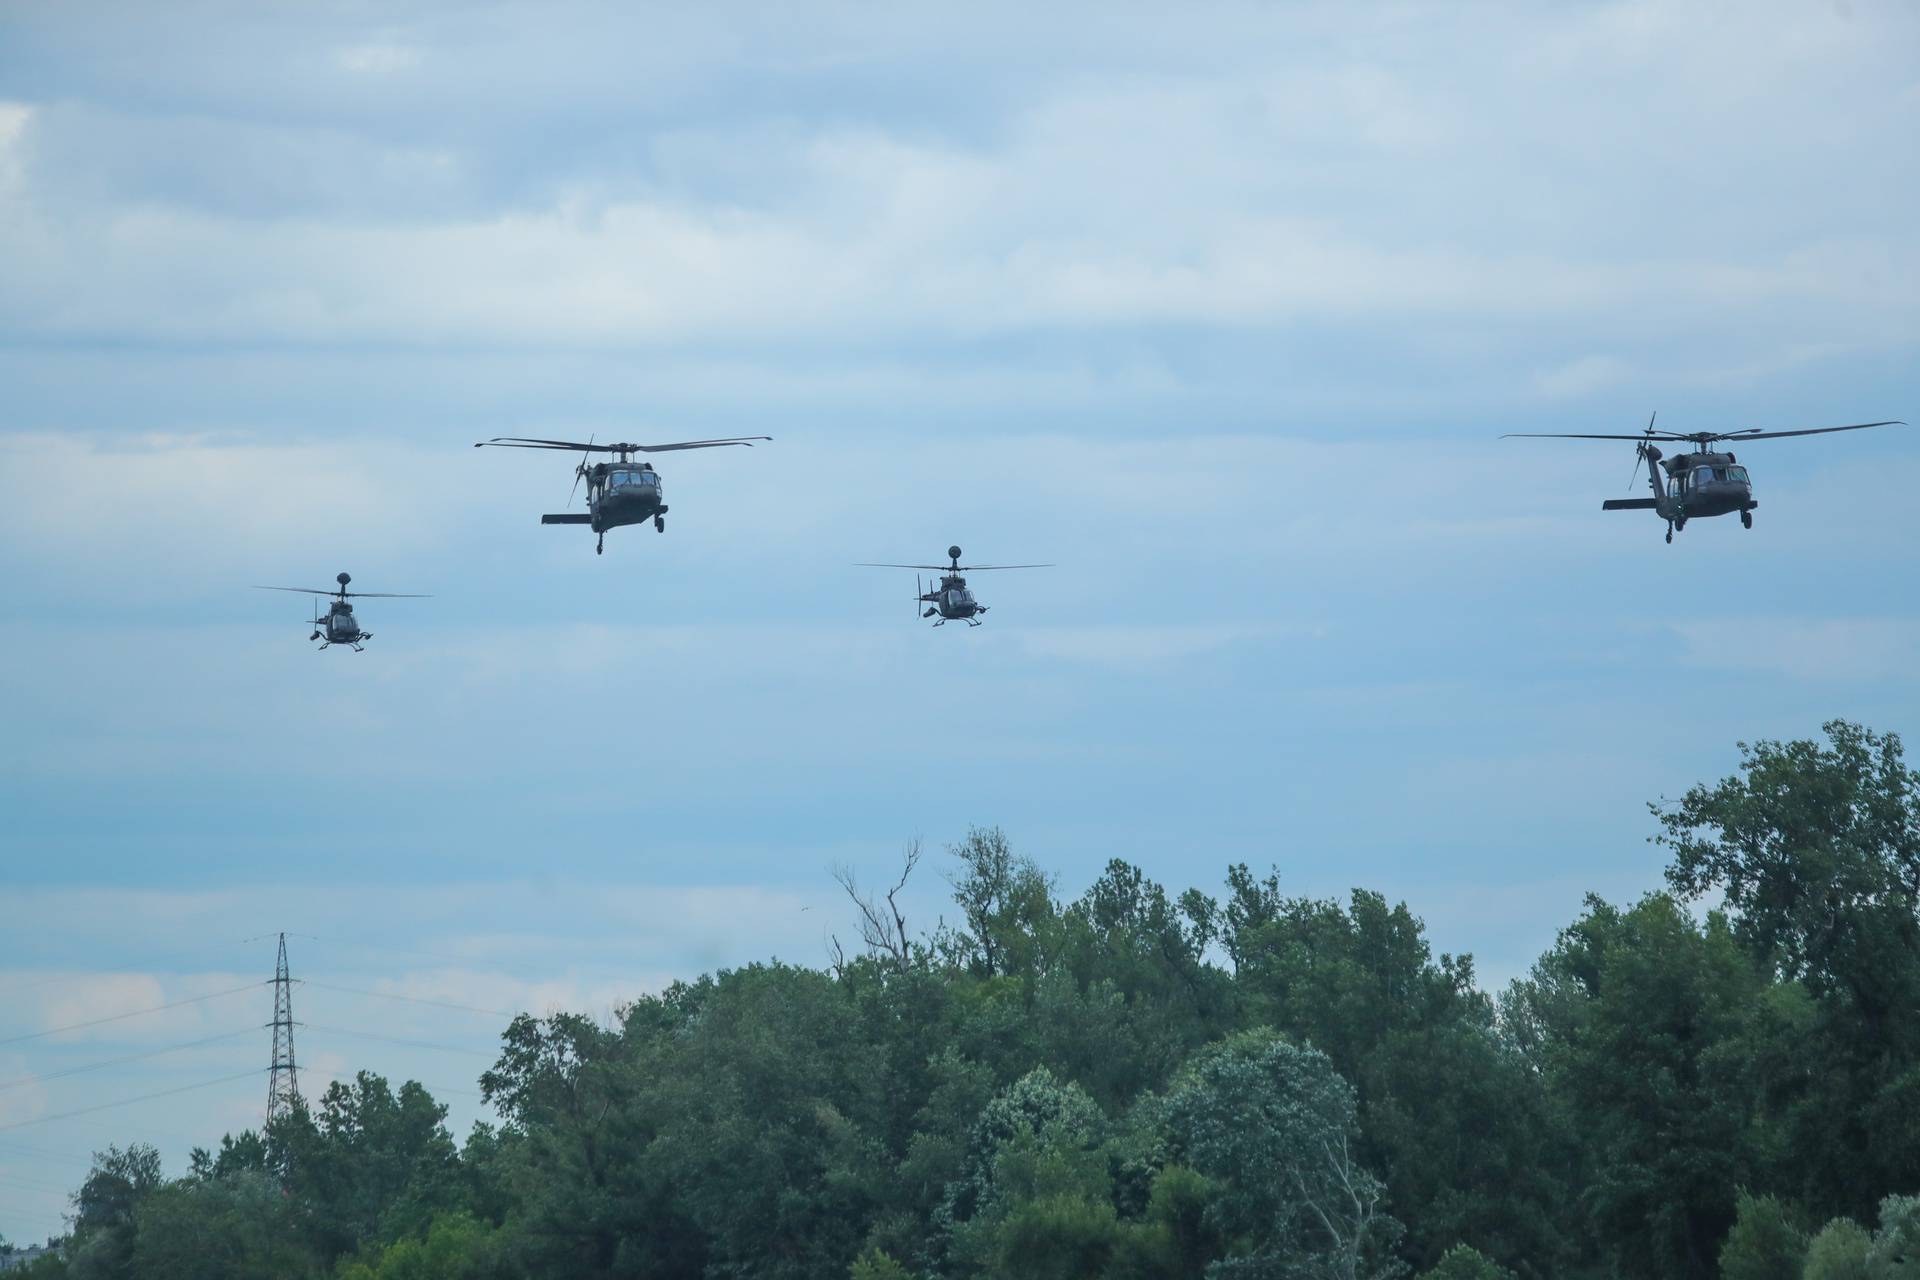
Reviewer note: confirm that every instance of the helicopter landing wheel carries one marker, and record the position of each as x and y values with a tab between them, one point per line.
1669	533
659	524
1746	519
600	547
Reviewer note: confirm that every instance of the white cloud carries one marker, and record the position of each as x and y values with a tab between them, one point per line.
1848	649
1583	377
378	58
1357	187
1132	647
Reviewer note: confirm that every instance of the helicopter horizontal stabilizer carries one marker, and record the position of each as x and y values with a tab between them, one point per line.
567	519
1630	504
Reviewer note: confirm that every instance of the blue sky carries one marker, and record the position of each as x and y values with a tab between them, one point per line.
1220	310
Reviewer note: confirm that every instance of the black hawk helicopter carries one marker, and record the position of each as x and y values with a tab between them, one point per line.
618	492
1700	483
951	600
339	625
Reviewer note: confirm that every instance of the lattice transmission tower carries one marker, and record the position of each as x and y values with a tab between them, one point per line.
283	1081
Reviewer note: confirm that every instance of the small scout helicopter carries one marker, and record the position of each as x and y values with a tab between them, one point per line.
1700	483
618	492
340	626
951	600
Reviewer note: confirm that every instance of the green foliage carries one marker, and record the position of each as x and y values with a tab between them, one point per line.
1839	1252
1006	903
105	1211
456	1246
876	1265
1767	1242
1138	1085
1271	1125
234	1228
1464	1262
1447	1109
1639	1021
1895	1251
1813	847
1034	1163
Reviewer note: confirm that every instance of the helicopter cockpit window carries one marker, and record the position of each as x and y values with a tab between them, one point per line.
1702	475
1738	475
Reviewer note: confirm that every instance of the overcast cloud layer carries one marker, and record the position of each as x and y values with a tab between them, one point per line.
1220	309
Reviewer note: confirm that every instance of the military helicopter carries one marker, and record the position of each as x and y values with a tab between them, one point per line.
339	625
951	600
618	492
1700	483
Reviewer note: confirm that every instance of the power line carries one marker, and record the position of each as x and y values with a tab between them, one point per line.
434	1090
465	963
417	1044
117	1017
145	1097
389	995
131	1057
49	979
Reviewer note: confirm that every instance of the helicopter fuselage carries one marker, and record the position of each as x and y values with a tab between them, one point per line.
1707	484
951	601
618	493
1698	485
339	627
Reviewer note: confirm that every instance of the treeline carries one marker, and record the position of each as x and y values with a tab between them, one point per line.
1133	1085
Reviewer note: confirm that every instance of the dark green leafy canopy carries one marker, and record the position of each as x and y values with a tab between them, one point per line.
1816	849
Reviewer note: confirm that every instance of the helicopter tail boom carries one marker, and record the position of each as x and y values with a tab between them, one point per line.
1630	504
574	518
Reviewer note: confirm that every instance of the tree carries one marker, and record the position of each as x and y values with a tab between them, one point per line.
372	1163
1271	1124
1640	1023
456	1246
105	1209
239	1227
1767	1242
876	1265
1464	1262
882	921
1816	850
1037	1140
1006	904
1839	1252
1450	1116
1895	1252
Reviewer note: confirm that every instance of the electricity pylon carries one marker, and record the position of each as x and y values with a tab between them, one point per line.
283	1083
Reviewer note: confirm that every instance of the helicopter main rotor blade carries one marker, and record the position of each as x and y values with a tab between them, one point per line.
1557	435
521	442
1754	433
950	568
691	444
386	595
574	446
305	591
976	568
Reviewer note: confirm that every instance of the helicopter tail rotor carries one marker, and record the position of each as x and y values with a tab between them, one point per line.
580	469
1644	451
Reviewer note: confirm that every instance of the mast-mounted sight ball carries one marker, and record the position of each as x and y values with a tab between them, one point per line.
343	579
953	553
